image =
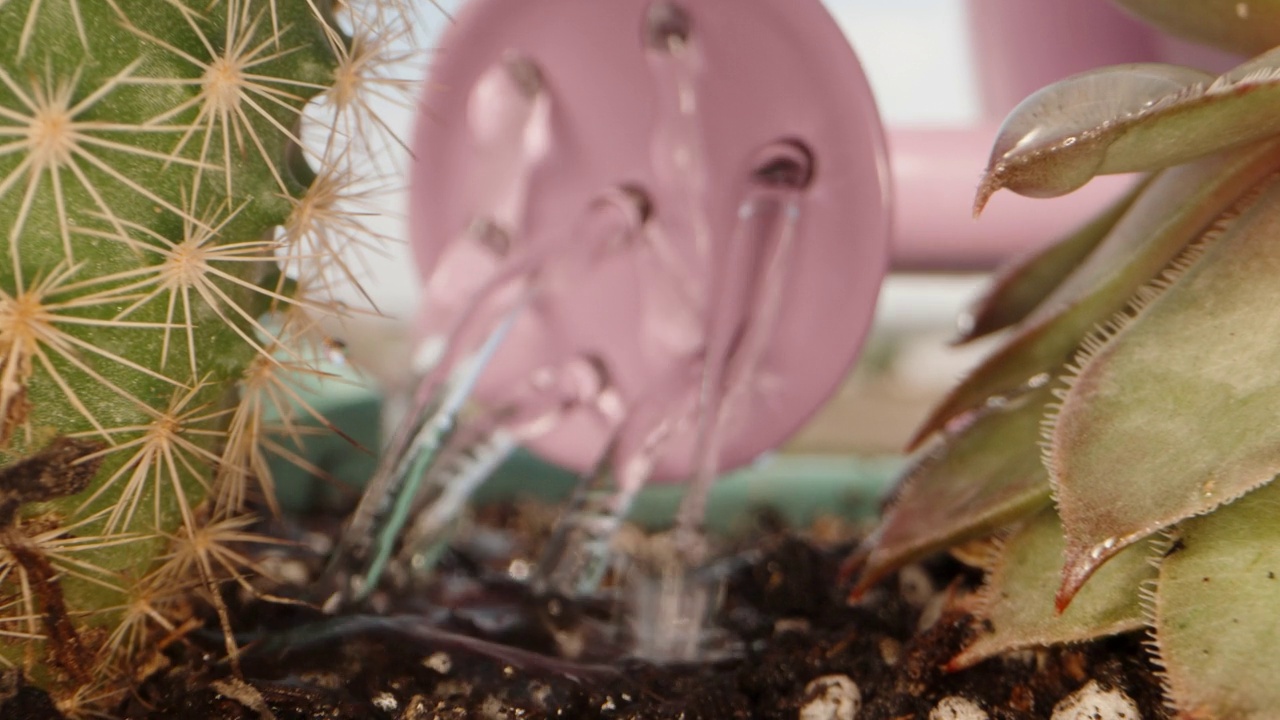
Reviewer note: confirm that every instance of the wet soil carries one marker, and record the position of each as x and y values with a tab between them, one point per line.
476	644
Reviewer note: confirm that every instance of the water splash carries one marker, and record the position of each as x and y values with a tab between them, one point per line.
697	396
677	148
487	441
411	463
748	287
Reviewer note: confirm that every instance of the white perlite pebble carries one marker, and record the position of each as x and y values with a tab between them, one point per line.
1091	702
385	701
832	697
440	662
954	707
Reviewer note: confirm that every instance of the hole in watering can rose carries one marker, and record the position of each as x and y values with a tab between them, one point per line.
491	236
634	206
784	164
638	201
524	73
666	27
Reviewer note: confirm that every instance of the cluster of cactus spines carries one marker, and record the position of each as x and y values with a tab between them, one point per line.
177	182
1111	464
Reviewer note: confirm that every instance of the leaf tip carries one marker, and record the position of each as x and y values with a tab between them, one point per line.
1080	565
991	183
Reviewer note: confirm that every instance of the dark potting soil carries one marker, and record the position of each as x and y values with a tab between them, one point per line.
476	644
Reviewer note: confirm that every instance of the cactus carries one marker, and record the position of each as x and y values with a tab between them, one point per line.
158	202
1110	464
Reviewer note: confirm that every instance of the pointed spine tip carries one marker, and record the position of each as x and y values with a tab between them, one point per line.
1078	568
986	189
853	572
935	423
993	181
917	438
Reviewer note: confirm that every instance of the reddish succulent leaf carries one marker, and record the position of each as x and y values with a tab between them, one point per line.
1130	118
1247	28
1214	611
985	476
1058	138
1017	599
1176	413
1177	206
1019	287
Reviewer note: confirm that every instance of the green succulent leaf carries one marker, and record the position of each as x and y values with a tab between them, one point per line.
1175	413
1021	286
1130	118
983	477
1214	611
1017	600
1178	206
1244	27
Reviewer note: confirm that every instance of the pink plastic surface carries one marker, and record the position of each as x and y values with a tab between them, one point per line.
767	70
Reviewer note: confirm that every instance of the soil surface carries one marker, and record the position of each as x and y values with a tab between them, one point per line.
477	644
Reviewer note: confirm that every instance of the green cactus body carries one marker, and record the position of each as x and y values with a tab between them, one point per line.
148	156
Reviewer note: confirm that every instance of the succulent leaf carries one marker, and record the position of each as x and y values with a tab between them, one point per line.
1214	611
1173	415
1176	208
1022	285
1130	118
1059	137
1247	28
1016	602
978	479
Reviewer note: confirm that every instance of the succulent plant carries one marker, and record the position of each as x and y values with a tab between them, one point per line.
1111	462
157	202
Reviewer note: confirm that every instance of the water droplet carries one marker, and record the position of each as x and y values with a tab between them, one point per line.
429	353
1103	549
677	149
